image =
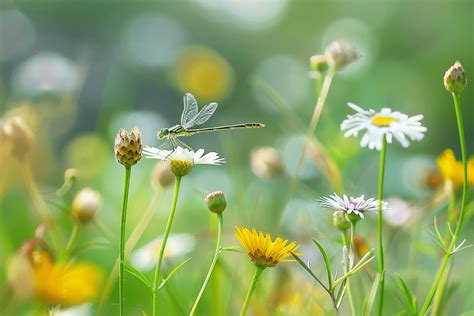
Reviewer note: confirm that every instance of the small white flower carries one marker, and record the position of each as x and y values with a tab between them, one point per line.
197	158
145	257
356	205
385	123
182	159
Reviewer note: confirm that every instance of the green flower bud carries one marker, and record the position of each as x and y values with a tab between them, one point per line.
455	79
339	220
216	202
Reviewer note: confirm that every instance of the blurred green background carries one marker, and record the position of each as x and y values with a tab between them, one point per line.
80	70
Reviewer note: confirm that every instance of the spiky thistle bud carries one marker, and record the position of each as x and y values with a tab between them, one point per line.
455	78
266	162
216	202
341	54
128	147
85	205
162	175
340	221
18	133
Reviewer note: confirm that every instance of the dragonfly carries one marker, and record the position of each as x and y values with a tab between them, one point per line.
191	117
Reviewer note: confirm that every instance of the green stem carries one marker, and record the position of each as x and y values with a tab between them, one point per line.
71	245
126	187
258	271
220	224
457	232
177	185
383	153
349	245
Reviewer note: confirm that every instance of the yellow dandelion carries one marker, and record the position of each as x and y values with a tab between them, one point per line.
262	250
452	169
64	284
204	73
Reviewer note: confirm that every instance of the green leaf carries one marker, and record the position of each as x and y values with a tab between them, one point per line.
438	233
173	272
408	297
231	248
309	271
326	260
370	300
362	263
139	275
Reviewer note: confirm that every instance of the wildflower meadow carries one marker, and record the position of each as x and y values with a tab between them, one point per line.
266	157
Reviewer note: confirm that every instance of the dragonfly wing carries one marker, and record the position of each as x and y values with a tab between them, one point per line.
190	110
203	115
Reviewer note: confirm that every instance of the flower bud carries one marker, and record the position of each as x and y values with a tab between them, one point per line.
216	202
455	79
162	176
266	162
341	54
18	133
339	220
319	63
85	205
128	147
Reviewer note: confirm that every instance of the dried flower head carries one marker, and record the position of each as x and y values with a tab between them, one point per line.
162	175
267	162
85	205
216	201
262	250
18	133
455	78
128	147
341	54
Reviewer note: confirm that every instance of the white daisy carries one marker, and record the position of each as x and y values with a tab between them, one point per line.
183	159
145	257
385	123
356	205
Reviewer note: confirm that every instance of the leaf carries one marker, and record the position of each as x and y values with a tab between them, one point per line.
370	300
231	248
408	297
173	272
326	261
309	271
438	234
362	263
139	275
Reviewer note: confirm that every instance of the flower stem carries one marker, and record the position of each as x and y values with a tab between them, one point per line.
72	241
349	245
457	232
220	223
128	171
177	185
383	153
258	271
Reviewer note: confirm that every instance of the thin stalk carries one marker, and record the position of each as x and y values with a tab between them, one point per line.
71	245
383	153
457	232
105	231
41	206
313	124
348	244
220	224
126	188
177	185
256	275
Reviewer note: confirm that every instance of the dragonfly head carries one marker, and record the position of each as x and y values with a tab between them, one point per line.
163	133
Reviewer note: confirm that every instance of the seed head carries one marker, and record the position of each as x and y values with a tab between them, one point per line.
455	78
85	205
216	202
128	147
18	133
341	54
267	163
340	221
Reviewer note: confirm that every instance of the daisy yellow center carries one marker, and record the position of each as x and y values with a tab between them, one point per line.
381	120
181	167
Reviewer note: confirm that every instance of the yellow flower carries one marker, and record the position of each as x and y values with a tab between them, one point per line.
452	169
262	250
204	73
65	284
